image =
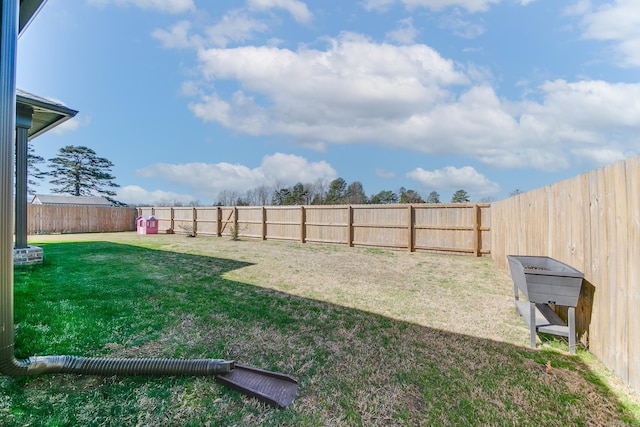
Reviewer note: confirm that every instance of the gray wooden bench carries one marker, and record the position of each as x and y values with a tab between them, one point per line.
547	321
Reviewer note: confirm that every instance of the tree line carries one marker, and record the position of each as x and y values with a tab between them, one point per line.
79	171
336	192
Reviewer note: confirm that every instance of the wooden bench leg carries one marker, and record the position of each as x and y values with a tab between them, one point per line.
572	330
532	326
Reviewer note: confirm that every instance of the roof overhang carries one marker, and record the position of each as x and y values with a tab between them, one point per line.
28	9
47	114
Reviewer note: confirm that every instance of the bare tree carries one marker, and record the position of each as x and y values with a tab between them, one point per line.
227	198
318	191
308	194
251	198
263	195
355	194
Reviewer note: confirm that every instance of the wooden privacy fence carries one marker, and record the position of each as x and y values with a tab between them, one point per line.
50	219
446	228
592	223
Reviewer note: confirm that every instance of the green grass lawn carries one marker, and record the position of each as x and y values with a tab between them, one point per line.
374	338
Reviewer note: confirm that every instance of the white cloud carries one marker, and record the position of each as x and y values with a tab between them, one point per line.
580	7
381	173
377	5
451	178
168	6
601	155
240	113
235	26
617	22
405	33
469	5
461	27
592	105
177	37
133	194
290	169
208	179
296	8
410	97
338	93
358	91
72	124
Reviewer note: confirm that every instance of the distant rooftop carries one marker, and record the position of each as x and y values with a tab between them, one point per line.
49	199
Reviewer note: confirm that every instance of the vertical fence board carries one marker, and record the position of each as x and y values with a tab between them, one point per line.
609	277
633	275
619	290
584	246
597	331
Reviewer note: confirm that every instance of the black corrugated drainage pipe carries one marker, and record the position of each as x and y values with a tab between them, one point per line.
9	365
271	387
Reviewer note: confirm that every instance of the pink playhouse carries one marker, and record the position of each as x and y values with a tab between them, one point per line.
147	225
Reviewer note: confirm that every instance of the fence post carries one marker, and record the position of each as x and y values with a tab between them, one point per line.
236	230
410	216
173	230
350	225
195	222
219	222
303	227
264	223
476	230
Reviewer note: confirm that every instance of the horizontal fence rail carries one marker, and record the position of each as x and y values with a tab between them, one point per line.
52	219
442	228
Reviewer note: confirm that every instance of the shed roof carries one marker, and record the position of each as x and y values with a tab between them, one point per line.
49	199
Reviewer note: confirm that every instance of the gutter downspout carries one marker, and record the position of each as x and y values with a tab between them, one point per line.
8	47
9	365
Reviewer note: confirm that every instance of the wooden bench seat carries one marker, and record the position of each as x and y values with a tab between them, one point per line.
547	321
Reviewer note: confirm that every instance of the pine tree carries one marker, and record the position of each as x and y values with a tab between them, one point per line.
385	197
337	192
34	173
460	196
80	172
410	196
433	197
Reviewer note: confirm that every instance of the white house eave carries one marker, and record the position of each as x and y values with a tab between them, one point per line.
47	114
28	10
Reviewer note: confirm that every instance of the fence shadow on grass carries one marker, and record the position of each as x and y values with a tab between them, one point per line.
354	367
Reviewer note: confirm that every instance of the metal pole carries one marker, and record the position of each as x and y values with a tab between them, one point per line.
23	124
8	47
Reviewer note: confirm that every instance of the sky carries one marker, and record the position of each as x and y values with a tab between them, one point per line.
191	98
